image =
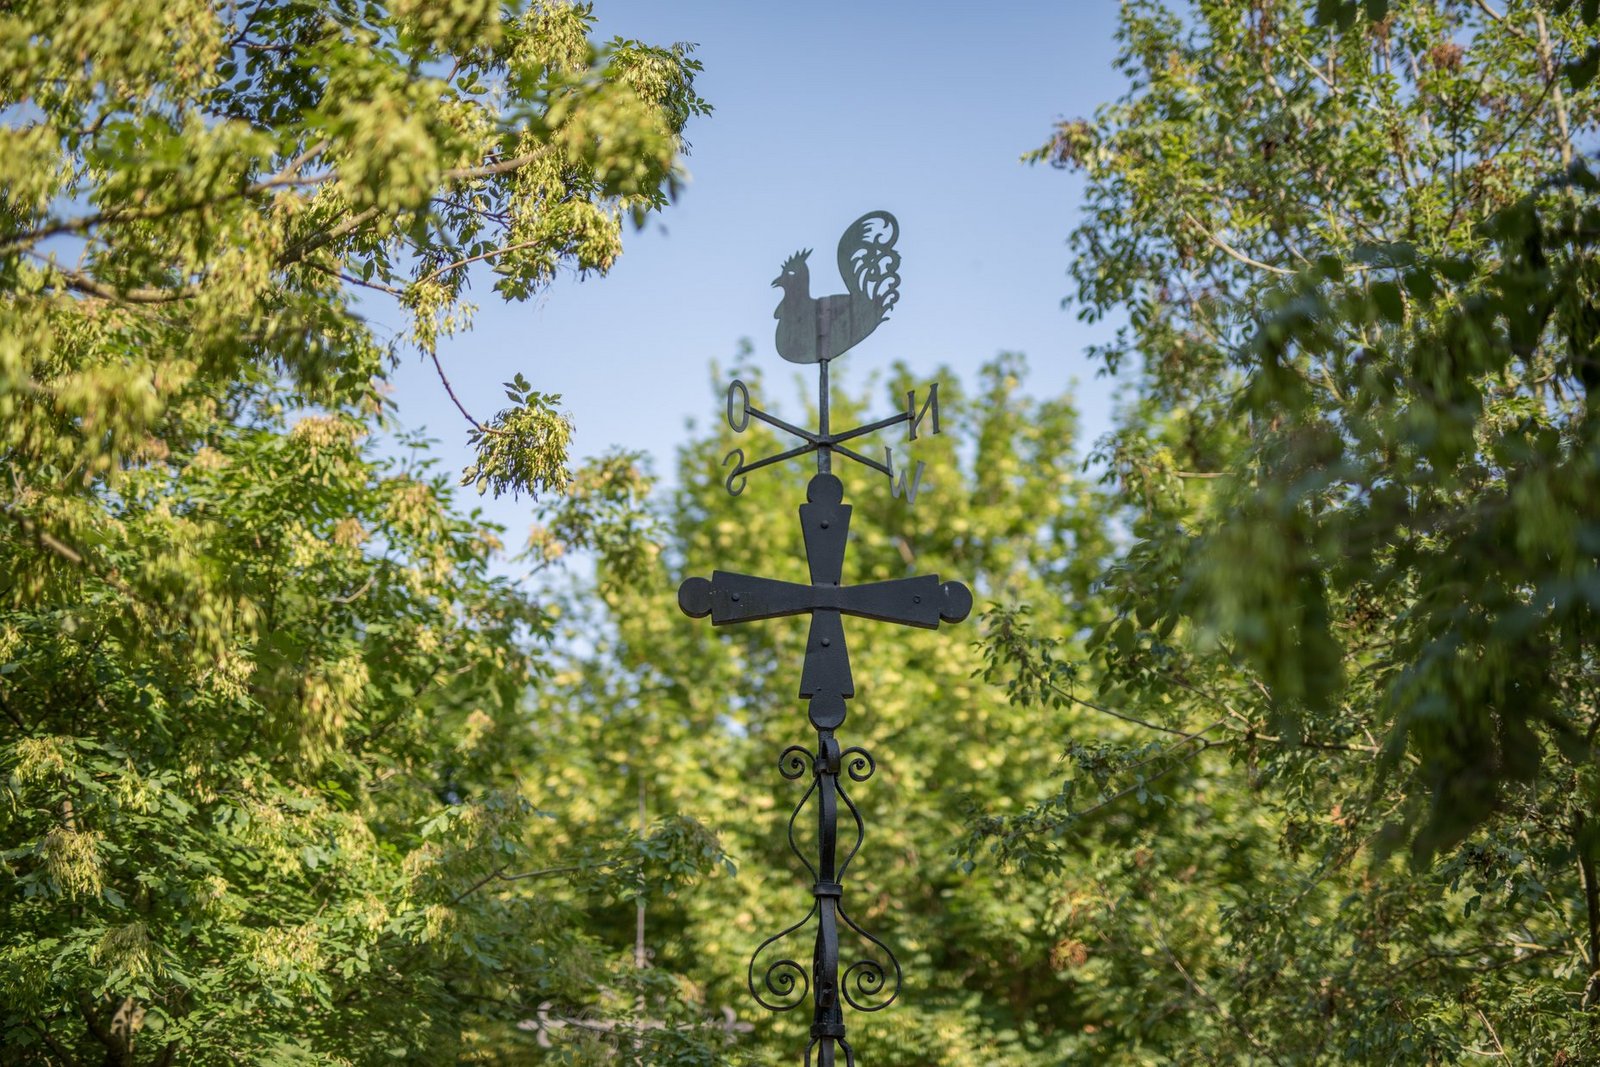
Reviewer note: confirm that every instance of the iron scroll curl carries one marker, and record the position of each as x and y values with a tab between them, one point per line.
784	978
870	976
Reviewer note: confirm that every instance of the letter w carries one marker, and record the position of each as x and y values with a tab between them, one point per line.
899	488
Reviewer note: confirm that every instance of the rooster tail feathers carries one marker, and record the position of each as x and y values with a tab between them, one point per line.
868	261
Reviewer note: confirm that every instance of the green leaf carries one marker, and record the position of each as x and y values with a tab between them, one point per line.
1387	300
1581	72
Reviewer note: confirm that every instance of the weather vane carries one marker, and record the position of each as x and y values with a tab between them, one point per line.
818	330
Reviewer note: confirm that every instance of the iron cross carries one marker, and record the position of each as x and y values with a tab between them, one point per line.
825	679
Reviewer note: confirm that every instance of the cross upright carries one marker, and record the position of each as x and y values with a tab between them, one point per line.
826	683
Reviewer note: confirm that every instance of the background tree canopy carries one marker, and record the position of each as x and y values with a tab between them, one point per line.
1276	741
1355	246
263	701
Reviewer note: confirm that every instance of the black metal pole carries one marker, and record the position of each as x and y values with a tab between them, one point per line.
827	1017
824	451
827	1021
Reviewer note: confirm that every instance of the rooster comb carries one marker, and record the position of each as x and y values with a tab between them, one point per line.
797	259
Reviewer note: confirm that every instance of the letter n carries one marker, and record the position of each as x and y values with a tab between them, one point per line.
916	417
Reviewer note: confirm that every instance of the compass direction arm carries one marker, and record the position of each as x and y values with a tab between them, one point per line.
773	420
798	450
863	460
822	440
871	427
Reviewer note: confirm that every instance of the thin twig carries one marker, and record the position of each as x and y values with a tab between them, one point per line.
79	282
1557	100
480	427
1510	27
50	1039
360	591
1066	694
491	254
499	874
84	223
1234	252
45	539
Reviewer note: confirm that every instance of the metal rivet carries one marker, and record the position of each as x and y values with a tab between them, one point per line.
736	597
824	524
916	600
826	642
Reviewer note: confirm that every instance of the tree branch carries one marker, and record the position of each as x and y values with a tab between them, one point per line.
44	539
85	223
1591	899
99	1029
287	177
1557	100
79	282
1232	251
353	280
1509	27
480	427
1099	806
491	254
358	593
499	874
1045	680
11	713
488	170
295	253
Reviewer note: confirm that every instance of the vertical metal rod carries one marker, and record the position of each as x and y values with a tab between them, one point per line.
827	1020
824	452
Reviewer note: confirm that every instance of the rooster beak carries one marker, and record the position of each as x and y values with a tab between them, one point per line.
777	281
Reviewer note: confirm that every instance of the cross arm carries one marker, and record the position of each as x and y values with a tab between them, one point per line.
729	597
920	601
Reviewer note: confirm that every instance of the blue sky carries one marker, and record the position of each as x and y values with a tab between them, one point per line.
823	111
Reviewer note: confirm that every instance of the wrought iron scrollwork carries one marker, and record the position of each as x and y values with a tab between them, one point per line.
868	983
876	982
793	761
870	976
784	978
858	763
784	982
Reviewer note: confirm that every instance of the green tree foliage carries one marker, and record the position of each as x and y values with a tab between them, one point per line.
262	746
1355	249
203	186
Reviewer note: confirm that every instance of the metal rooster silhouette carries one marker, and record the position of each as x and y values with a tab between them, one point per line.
816	329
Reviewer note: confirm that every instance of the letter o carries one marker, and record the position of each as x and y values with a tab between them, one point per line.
739	424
